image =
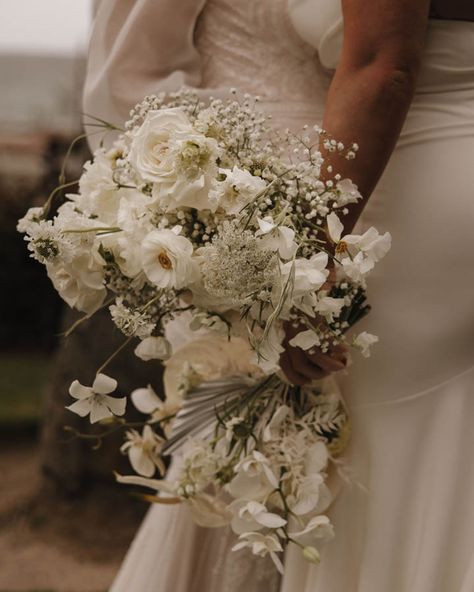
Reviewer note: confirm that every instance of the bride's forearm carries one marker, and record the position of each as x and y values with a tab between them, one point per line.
374	85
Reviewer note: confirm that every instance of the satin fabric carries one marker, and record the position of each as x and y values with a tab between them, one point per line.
409	525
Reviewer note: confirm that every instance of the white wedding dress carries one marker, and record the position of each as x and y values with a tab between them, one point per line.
412	402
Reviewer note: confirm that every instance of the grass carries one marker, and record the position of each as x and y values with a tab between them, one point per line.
23	377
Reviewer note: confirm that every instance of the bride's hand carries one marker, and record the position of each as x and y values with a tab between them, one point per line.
301	367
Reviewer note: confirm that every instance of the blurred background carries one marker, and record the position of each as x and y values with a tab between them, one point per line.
64	523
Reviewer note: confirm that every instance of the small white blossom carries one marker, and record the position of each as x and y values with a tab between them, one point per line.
364	341
261	545
153	348
95	400
144	451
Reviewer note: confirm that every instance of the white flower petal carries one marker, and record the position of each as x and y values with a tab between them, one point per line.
116	405
141	462
99	410
145	400
79	391
335	227
104	384
305	339
153	348
81	407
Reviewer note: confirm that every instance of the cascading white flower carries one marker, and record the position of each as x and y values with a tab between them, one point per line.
251	516
144	451
167	258
95	400
254	478
319	528
261	545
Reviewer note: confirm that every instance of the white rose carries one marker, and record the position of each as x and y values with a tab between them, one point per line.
80	283
179	162
167	259
237	190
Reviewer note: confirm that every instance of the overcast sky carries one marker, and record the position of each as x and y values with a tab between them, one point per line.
44	26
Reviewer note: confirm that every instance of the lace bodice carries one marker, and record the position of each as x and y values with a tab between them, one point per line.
253	46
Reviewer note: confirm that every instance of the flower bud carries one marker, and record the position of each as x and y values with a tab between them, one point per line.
311	554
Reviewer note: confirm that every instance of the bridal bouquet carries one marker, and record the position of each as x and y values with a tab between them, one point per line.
204	212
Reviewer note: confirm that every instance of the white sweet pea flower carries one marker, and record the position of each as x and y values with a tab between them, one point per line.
261	545
328	307
347	192
305	339
237	190
319	528
144	451
167	258
310	274
277	238
95	400
364	341
356	268
253	516
254	478
371	243
153	348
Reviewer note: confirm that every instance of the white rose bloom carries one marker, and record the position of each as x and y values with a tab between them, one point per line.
153	348
167	259
95	400
364	341
179	162
237	190
79	283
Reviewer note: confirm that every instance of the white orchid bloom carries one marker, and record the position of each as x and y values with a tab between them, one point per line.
253	516
95	400
319	527
144	451
306	498
261	545
254	478
153	348
364	341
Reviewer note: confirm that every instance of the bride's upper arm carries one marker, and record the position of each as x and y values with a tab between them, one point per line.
386	33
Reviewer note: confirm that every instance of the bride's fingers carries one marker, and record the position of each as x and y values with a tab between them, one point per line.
330	362
293	375
304	365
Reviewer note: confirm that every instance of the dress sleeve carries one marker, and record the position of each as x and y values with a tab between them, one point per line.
139	47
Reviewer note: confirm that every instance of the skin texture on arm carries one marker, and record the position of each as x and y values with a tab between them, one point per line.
373	86
367	103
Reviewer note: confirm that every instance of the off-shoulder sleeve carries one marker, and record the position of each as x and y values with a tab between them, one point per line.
139	47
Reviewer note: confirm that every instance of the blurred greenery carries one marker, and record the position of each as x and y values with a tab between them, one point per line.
23	378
